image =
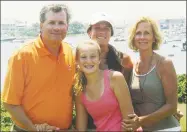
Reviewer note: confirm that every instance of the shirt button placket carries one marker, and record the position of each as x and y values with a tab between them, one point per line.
58	60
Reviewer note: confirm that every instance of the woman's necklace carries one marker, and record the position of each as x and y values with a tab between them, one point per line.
142	85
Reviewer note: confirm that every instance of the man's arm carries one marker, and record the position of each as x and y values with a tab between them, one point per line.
13	89
17	112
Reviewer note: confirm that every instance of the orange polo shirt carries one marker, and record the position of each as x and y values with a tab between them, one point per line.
41	83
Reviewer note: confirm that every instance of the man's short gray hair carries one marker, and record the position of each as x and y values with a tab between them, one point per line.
54	8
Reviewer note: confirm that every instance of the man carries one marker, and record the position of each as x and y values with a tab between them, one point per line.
37	89
101	29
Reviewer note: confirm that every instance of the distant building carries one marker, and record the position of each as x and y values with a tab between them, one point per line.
172	23
7	25
11	26
20	25
164	24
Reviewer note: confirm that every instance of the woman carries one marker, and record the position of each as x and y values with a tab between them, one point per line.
153	84
101	93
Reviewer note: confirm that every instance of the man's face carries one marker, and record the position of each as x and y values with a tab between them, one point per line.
55	26
101	32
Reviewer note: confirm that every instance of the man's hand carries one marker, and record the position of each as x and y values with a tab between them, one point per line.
178	115
45	127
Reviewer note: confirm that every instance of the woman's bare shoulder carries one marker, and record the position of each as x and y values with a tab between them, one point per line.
165	64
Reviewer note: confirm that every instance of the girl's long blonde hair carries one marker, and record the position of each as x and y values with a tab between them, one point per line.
80	79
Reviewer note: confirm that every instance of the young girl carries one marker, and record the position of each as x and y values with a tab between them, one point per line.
103	94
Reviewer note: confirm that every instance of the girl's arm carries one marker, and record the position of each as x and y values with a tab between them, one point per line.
81	115
120	88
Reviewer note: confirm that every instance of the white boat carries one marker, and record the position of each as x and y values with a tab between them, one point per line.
19	40
7	38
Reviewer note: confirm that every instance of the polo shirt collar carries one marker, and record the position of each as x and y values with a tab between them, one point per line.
43	51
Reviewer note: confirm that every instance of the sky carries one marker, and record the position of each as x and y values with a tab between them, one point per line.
120	11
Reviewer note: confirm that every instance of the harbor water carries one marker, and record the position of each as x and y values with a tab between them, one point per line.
176	54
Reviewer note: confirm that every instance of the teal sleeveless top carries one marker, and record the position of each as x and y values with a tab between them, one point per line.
147	95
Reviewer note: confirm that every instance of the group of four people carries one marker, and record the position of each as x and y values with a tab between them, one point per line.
111	92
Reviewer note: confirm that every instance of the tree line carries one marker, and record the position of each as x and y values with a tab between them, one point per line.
34	29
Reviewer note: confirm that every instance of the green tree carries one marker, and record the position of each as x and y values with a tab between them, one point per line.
6	121
76	28
182	91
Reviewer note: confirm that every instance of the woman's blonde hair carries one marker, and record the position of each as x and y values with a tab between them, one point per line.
155	29
80	79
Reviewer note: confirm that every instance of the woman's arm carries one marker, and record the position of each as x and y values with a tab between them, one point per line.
169	82
127	66
81	115
122	93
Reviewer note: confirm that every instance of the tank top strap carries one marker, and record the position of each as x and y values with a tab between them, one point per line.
159	61
157	66
132	75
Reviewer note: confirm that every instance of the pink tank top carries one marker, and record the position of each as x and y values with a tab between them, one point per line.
105	111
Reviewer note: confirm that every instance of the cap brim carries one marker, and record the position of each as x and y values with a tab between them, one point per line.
100	20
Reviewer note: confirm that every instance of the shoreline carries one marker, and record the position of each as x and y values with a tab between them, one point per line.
177	56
